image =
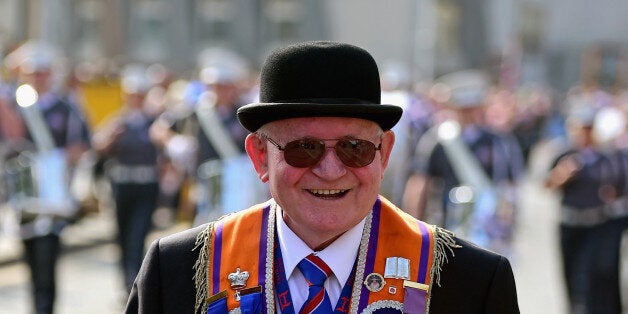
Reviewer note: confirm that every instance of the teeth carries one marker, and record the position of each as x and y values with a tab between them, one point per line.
327	192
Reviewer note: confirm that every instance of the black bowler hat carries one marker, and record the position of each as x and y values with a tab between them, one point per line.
319	79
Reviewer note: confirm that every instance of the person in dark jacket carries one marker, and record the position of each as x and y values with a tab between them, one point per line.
588	179
130	161
321	139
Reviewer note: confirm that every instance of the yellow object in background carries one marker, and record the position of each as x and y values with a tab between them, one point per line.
101	98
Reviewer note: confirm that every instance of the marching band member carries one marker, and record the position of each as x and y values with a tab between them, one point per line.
206	126
131	165
472	163
60	134
588	180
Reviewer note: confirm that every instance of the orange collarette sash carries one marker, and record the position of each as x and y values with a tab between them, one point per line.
396	258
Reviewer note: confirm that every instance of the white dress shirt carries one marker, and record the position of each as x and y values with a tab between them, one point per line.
339	256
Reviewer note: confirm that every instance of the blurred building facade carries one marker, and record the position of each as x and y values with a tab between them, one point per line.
530	40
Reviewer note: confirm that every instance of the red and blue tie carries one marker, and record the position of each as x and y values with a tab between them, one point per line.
315	272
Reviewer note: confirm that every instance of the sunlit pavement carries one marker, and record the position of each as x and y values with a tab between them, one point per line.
89	280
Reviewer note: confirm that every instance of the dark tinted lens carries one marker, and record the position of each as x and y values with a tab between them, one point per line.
304	153
355	153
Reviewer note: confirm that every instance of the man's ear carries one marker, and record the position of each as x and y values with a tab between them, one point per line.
388	140
257	151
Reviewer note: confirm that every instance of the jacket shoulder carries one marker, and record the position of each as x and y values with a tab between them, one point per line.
474	280
165	283
181	240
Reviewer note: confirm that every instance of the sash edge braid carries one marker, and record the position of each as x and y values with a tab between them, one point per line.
201	269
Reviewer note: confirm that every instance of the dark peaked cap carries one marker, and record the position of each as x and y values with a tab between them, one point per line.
319	79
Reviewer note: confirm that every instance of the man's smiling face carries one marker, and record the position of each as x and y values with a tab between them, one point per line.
325	200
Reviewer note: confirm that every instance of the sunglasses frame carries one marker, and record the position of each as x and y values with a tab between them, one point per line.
283	149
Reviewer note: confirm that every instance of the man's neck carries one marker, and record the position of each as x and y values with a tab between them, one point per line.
325	244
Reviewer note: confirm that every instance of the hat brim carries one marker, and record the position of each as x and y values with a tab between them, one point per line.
253	116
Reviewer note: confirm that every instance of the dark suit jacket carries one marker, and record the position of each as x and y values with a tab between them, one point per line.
472	281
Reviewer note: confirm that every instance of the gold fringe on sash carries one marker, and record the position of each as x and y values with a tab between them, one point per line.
201	269
443	242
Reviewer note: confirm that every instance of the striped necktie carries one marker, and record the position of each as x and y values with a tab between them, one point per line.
315	272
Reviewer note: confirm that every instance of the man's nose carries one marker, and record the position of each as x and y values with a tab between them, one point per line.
330	167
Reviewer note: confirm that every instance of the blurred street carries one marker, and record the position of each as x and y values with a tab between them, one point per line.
89	276
90	281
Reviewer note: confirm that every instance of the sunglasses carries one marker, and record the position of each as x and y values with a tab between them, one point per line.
307	152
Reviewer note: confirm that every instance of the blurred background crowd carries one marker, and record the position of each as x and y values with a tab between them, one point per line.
125	110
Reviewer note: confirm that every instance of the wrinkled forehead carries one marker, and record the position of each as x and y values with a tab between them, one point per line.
322	127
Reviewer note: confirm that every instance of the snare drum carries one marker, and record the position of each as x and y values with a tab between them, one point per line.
38	183
18	176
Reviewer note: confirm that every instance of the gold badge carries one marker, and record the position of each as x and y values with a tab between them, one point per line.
374	282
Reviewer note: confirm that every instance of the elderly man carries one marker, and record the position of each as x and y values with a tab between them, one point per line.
321	140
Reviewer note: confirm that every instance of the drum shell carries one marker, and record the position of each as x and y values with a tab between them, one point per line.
38	183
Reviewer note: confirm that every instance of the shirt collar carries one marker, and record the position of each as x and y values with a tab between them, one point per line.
293	249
